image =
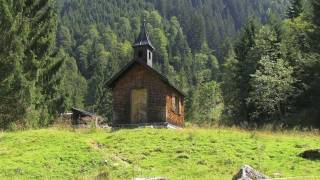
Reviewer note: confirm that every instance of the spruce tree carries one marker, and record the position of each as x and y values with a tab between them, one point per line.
295	9
13	85
27	42
316	12
229	86
246	66
314	67
315	37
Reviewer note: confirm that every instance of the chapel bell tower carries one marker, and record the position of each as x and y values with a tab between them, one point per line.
142	47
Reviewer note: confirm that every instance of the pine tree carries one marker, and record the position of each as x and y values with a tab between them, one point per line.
73	88
246	66
64	39
316	12
40	60
315	38
13	85
295	9
196	33
229	87
99	97
28	35
313	67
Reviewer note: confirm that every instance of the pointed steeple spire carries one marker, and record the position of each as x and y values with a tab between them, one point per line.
143	38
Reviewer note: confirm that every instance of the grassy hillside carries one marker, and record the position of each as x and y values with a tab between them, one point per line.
177	154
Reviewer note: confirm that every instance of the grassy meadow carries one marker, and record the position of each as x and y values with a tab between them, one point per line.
177	154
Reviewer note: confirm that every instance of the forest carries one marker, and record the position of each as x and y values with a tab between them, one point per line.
250	62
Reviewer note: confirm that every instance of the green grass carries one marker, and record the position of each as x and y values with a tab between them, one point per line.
176	154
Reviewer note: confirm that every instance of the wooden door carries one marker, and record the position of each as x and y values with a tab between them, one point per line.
139	106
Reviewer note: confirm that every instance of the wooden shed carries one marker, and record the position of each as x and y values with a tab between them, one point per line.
142	95
81	118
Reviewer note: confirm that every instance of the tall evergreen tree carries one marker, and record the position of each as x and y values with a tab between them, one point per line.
28	35
313	67
316	22
13	85
73	88
229	86
246	66
316	12
295	9
196	32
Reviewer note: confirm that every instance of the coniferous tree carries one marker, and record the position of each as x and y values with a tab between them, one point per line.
196	33
316	22
316	12
229	86
313	67
13	85
295	9
73	87
28	31
246	66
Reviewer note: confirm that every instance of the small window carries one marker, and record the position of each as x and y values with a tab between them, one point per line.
175	104
149	55
140	54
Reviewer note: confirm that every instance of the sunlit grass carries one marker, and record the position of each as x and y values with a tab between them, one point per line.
176	154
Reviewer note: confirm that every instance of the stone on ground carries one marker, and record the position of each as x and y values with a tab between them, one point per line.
313	154
248	173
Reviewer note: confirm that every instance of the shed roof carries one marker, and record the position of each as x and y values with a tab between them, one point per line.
115	78
81	112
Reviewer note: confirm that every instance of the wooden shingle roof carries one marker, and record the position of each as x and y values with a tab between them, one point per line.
111	83
143	38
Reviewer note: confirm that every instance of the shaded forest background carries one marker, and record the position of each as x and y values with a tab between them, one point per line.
240	62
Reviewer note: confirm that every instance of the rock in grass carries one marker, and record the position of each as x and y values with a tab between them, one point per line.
313	154
182	156
248	173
